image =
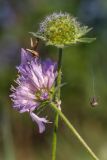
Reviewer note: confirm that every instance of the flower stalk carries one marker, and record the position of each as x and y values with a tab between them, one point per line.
74	131
57	98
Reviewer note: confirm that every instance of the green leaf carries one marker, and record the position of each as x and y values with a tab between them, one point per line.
60	86
42	107
87	30
86	40
83	30
37	36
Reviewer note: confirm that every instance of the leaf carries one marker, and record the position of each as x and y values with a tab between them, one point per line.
87	30
42	107
86	40
59	86
37	36
34	34
83	30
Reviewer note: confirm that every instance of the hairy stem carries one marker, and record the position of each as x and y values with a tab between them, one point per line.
57	98
74	131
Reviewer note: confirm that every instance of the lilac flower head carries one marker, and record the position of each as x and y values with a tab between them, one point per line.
34	86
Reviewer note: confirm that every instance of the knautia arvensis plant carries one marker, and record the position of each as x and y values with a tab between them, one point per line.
39	83
35	86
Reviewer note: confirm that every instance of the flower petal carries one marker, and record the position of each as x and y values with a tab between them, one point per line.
39	121
25	56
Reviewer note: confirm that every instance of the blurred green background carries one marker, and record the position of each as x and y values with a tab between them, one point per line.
19	137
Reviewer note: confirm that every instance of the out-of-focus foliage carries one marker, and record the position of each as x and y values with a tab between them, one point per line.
83	63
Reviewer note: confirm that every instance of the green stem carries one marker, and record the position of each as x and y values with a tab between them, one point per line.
57	97
70	126
54	141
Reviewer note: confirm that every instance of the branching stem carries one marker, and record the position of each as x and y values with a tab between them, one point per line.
74	131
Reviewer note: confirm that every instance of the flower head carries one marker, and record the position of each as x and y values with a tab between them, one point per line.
61	29
35	82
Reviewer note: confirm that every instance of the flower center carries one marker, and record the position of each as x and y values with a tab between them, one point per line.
43	94
60	30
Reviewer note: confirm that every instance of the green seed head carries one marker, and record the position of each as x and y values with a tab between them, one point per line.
61	30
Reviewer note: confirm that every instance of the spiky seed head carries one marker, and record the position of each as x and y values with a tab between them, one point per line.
62	29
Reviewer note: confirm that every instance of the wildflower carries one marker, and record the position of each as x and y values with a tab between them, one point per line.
61	30
35	83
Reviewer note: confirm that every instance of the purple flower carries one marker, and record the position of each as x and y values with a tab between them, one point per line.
35	82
